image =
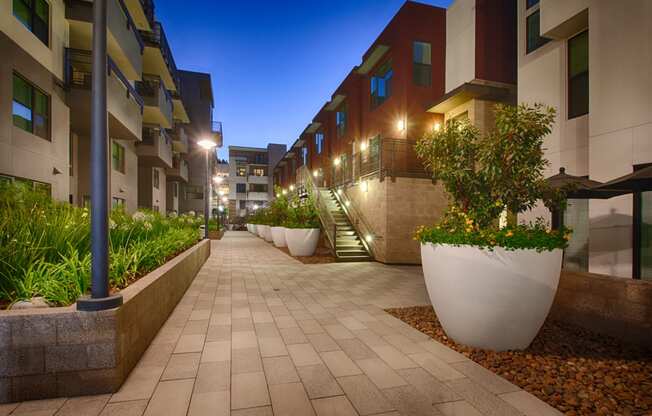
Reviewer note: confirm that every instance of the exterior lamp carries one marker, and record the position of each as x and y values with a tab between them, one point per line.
363	146
225	199
220	208
339	191
437	126
368	238
221	193
255	207
285	192
347	203
218	179
364	187
400	125
337	161
207	145
278	195
291	188
315	173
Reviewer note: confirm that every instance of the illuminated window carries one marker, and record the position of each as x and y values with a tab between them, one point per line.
30	108
319	142
340	118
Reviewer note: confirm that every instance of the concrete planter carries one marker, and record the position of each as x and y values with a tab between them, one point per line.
252	229
260	230
496	299
302	241
61	352
268	234
278	235
216	235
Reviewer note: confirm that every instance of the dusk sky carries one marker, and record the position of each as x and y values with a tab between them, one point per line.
273	63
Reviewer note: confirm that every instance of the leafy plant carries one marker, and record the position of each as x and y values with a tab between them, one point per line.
302	213
485	175
279	209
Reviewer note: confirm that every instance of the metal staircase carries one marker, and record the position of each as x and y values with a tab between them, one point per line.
347	243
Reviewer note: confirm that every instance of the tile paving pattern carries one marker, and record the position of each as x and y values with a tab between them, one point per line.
261	334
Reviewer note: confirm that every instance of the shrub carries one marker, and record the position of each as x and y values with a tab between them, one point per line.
486	175
45	246
279	209
302	213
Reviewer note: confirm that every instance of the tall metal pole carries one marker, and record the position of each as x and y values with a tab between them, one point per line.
207	194
100	298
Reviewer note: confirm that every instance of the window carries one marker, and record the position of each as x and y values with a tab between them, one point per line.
31	108
531	3
578	75
576	217
175	190
156	179
42	187
319	141
645	249
258	171
194	192
340	118
534	39
117	157
257	187
35	15
381	83
304	155
241	188
117	202
240	171
422	70
243	204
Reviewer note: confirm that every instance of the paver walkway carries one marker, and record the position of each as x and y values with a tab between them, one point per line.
260	334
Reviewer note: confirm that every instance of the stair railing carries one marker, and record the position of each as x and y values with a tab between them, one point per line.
325	216
357	220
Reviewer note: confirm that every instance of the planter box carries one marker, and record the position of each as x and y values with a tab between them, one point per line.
497	299
278	235
260	230
302	241
61	352
216	235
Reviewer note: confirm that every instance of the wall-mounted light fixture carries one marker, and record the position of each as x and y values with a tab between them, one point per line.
291	188
363	146
400	125
437	126
255	207
220	208
315	173
225	199
339	191
337	161
347	203
368	238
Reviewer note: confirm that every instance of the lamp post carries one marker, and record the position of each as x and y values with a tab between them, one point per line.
99	299
207	145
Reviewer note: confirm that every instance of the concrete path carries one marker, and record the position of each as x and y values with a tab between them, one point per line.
260	334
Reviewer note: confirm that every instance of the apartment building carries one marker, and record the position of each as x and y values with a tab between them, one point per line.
250	182
47	93
198	100
591	61
427	65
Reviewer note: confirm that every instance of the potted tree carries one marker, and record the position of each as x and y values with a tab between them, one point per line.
302	226
279	214
491	284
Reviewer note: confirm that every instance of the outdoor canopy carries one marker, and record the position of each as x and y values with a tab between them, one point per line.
579	187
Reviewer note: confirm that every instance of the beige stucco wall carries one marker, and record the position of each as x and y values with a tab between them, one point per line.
52	56
460	43
617	132
480	112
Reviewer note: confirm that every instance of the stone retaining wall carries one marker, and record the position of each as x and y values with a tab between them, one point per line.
58	352
614	306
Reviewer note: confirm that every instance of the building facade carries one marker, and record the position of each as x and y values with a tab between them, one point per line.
45	85
590	60
250	181
428	64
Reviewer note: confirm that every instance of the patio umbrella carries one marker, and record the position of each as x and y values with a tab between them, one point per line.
637	181
579	187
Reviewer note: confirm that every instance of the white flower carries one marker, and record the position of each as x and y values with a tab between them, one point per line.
191	213
147	225
172	214
112	225
139	216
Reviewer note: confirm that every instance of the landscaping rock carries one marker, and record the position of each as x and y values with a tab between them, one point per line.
34	303
574	370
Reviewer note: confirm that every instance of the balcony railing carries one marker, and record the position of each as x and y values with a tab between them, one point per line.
131	25
78	73
158	39
148	8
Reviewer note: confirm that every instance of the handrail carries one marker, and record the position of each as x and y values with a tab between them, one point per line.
356	219
325	216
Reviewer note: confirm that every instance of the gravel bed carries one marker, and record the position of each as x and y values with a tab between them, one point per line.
574	370
321	256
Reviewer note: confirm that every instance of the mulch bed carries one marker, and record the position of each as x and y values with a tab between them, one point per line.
574	370
321	256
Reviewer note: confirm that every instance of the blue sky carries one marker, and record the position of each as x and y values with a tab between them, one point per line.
273	63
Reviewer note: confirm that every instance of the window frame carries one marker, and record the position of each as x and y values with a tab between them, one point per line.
239	186
341	120
319	141
378	100
34	89
570	78
33	15
416	66
156	178
122	165
541	40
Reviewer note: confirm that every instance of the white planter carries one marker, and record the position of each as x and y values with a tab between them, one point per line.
278	235
302	241
268	234
252	228
496	299
248	227
260	230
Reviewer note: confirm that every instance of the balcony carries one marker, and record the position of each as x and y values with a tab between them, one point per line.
179	139
156	148
216	132
255	179
124	104
180	113
257	196
157	56
178	171
125	46
142	12
158	103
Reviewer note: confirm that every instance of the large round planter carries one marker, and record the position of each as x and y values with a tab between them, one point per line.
252	229
268	234
278	235
302	241
495	300
260	230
